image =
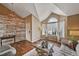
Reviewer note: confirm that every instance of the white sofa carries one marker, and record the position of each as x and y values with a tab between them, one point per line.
7	50
77	49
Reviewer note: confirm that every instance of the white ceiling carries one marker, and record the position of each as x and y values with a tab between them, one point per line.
40	10
69	8
43	10
18	9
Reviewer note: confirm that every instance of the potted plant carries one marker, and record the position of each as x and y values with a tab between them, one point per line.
73	41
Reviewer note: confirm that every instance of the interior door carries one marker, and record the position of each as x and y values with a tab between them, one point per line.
28	34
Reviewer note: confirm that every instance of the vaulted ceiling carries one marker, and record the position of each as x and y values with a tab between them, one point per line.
69	8
40	10
43	10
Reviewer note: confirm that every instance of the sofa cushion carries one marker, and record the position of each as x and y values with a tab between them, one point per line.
7	50
8	54
3	48
77	49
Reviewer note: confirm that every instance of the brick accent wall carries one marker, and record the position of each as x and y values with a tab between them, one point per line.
11	25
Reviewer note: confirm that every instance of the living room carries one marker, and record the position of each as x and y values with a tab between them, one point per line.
43	29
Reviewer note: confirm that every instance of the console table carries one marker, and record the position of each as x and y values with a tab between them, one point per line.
7	37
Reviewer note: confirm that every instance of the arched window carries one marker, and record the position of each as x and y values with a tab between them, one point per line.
54	27
52	20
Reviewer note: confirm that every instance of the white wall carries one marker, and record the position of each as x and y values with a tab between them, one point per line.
36	32
28	34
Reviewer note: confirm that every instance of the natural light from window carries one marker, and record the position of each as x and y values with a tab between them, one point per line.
52	20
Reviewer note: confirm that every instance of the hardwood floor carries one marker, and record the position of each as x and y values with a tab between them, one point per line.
22	47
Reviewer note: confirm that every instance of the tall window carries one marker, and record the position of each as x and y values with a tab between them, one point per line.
62	28
52	26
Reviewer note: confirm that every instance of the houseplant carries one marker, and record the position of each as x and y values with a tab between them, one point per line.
73	42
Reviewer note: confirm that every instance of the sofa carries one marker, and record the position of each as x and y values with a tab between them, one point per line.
7	50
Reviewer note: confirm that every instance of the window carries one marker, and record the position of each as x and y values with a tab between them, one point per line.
62	28
52	26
